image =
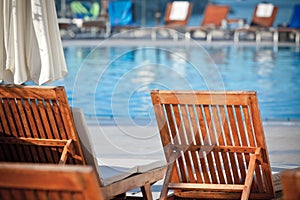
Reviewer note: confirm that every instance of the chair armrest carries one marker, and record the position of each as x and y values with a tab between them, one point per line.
256	157
68	149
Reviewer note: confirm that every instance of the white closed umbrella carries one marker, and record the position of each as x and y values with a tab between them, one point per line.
31	45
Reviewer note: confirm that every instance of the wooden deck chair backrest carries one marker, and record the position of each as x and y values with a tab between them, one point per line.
35	182
214	144
36	125
178	13
264	21
214	14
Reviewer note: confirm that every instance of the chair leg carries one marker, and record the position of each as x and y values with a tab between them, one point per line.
146	191
153	34
236	36
275	36
297	38
209	36
164	190
250	175
258	36
188	35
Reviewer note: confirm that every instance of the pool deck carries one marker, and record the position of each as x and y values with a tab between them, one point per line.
167	42
143	142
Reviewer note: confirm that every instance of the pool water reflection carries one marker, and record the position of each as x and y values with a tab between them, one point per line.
116	81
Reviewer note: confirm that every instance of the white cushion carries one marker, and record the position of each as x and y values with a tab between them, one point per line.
264	10
110	170
179	10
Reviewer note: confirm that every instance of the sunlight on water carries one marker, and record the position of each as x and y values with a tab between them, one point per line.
118	80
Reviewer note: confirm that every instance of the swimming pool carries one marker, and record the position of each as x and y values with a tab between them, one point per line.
112	82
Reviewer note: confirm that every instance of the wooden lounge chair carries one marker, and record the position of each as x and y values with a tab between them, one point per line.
35	182
263	18
99	23
214	145
212	20
177	16
291	184
292	28
37	126
121	16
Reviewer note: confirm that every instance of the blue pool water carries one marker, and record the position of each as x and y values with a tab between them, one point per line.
115	82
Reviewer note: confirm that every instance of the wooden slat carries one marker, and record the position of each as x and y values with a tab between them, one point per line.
59	122
24	109
203	131
54	131
18	129
210	137
66	196
221	195
45	153
218	133
205	98
34	141
9	117
195	140
219	129
211	187
9	129
23	127
180	138
219	148
243	139
10	152
229	142
175	175
4	123
41	195
187	140
235	136
47	130
32	92
32	132
54	195
5	194
30	194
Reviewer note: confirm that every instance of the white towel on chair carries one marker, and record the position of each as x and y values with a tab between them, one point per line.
264	10
179	10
